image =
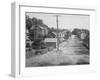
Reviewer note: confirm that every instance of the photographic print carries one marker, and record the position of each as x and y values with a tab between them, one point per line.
52	40
56	39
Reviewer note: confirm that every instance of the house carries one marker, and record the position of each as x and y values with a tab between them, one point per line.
28	41
54	34
63	35
44	30
83	34
39	31
51	42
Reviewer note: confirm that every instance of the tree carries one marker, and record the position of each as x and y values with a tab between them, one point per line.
35	35
76	32
28	22
86	40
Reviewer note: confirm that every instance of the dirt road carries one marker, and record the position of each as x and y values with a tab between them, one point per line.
70	52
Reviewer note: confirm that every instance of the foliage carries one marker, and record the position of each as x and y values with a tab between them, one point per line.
28	23
76	32
86	32
32	25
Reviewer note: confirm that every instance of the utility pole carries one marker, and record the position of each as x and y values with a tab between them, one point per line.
57	33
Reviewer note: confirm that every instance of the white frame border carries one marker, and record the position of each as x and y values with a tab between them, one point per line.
18	70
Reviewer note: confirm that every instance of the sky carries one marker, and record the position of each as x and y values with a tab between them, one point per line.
64	21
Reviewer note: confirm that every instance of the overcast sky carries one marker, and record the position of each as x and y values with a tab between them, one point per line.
65	21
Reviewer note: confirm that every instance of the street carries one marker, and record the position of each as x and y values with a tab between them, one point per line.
70	52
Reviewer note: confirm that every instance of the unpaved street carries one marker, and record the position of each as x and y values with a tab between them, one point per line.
70	52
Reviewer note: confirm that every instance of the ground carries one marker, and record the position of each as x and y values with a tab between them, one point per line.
71	52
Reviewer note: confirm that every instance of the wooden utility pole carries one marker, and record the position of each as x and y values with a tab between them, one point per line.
57	33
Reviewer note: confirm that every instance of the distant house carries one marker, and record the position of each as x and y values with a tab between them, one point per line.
63	35
83	34
28	41
54	34
44	30
27	35
51	41
39	31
